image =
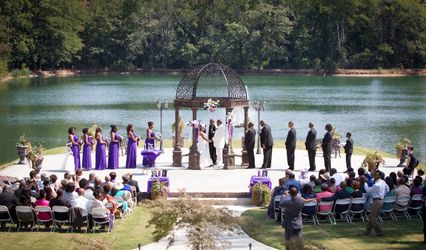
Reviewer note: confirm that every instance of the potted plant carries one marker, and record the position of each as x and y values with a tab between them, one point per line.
35	156
181	126
260	195
158	190
372	161
23	146
403	143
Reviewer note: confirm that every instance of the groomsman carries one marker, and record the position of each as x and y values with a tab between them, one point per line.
212	149
326	147
349	146
290	145
267	143
249	141
311	146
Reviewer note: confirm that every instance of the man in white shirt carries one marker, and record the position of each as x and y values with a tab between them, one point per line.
219	142
377	193
83	202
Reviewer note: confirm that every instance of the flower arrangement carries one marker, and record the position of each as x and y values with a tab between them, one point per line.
35	156
23	141
403	144
158	190
372	161
211	105
260	195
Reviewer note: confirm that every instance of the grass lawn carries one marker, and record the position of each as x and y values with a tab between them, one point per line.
402	234
126	234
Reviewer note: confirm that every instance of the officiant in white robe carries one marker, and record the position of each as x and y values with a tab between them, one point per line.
219	142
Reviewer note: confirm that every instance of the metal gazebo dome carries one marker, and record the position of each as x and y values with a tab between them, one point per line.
210	81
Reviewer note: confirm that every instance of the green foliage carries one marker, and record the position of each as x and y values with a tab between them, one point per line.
20	72
158	190
203	223
3	68
261	194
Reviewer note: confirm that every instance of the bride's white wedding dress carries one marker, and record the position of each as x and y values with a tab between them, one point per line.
203	149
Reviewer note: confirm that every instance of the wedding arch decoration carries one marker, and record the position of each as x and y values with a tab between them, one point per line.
210	86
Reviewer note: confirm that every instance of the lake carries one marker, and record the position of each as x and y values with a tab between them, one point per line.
378	111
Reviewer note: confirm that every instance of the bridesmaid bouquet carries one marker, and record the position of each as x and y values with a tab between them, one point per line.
194	124
211	105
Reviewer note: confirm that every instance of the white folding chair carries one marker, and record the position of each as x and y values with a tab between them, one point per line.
416	204
310	210
58	212
401	205
101	216
342	206
357	207
25	214
326	212
42	209
388	207
5	218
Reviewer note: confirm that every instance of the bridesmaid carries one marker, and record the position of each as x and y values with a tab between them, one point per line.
150	140
87	150
100	150
75	147
114	148
131	147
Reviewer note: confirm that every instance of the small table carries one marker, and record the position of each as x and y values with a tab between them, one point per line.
150	156
262	179
153	179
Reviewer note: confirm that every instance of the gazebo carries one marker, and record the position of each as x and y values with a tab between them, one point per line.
218	82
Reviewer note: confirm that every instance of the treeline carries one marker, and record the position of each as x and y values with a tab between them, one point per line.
244	34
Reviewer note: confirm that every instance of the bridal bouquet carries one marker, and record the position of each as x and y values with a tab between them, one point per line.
211	105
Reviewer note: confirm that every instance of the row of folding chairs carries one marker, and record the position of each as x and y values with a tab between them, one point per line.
59	216
349	208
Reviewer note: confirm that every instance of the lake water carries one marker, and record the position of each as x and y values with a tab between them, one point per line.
378	111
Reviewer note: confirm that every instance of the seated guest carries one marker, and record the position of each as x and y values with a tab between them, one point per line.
113	175
307	192
337	176
83	202
389	182
107	180
312	179
277	191
351	177
291	181
342	193
394	178
417	187
317	186
325	178
99	195
357	193
421	174
126	185
69	195
8	199
32	181
135	184
303	177
321	172
25	198
50	194
332	188
92	177
54	185
402	190
58	200
112	209
43	202
118	192
324	194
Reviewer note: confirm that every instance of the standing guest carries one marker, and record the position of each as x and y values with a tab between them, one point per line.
349	146
377	192
311	146
149	141
87	150
290	145
219	142
326	147
293	219
249	140
75	147
131	147
114	148
212	149
267	142
100	163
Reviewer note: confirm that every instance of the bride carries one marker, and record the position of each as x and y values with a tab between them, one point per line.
203	147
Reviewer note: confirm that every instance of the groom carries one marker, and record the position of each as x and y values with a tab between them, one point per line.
219	142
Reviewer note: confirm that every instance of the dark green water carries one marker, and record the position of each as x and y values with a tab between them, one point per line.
378	111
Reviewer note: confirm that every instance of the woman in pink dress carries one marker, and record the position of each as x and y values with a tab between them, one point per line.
43	202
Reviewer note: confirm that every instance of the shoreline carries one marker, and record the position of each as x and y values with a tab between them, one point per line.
284	72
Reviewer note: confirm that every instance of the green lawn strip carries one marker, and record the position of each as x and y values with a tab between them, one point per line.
402	234
126	234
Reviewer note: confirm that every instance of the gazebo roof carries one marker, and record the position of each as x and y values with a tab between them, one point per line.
215	81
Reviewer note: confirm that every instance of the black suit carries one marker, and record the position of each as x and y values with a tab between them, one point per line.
326	149
290	145
212	149
267	143
249	141
311	146
9	200
349	146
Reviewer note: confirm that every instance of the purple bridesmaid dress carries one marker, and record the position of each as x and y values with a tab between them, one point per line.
131	153
113	152
87	154
76	153
149	145
100	156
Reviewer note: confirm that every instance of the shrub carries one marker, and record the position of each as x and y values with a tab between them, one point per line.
260	195
3	68
21	72
158	190
316	65
330	66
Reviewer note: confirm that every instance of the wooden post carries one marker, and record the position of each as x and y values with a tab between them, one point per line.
245	161
177	151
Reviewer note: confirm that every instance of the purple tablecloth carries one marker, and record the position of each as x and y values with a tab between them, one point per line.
262	179
151	156
159	178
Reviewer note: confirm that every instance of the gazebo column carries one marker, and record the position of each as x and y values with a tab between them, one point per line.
245	161
194	155
177	151
228	154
